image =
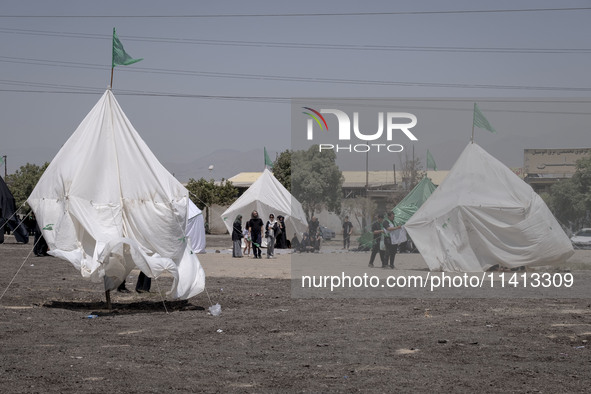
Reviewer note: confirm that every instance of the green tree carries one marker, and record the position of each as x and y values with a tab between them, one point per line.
570	199
582	179
24	180
316	180
282	169
205	193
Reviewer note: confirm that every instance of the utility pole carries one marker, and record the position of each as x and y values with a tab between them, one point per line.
366	215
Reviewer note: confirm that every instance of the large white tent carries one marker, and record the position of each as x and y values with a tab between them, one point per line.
107	205
482	215
267	195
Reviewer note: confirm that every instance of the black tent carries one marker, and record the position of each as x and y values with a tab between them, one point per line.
8	217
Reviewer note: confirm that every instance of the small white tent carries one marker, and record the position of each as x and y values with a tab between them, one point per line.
107	205
267	195
483	214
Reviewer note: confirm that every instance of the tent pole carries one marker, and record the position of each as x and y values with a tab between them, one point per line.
112	68
108	296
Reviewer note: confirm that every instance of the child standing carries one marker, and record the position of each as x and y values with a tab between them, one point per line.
246	235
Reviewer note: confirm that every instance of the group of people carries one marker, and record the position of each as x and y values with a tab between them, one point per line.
252	233
310	239
386	239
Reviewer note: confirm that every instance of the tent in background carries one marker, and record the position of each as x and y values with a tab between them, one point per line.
107	205
483	214
413	201
196	228
267	195
8	216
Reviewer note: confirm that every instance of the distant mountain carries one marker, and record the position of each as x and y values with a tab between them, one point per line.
226	163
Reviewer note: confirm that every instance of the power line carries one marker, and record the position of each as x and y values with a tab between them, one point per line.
72	89
300	45
266	77
288	100
318	14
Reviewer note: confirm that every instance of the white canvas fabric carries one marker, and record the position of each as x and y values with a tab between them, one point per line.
398	236
107	205
196	229
483	214
267	195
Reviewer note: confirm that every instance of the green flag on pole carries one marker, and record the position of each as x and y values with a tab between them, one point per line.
268	162
1	160
480	121
120	57
431	161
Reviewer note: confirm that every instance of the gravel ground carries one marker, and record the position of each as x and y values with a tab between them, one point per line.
58	337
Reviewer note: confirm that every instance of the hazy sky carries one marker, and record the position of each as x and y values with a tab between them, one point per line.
220	75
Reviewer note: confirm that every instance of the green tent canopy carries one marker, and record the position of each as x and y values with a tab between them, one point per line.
413	201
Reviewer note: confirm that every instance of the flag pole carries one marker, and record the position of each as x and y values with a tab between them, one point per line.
473	115
112	59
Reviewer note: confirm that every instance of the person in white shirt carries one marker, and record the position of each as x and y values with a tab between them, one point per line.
396	235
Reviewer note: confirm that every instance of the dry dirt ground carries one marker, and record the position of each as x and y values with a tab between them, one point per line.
56	336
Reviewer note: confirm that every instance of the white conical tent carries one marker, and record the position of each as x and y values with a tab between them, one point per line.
107	205
267	195
483	214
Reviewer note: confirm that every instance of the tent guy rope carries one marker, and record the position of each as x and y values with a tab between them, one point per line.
19	269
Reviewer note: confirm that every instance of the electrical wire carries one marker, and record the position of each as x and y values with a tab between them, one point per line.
267	77
299	15
300	45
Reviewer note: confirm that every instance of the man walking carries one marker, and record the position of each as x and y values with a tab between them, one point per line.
347	230
378	232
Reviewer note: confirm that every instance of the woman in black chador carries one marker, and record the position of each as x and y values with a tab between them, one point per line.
281	241
237	237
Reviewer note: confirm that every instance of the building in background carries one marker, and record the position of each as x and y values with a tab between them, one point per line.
545	167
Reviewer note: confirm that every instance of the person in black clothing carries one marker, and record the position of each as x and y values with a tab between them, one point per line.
271	228
314	233
40	248
295	243
391	248
237	237
347	230
122	288
306	244
254	226
281	242
377	231
31	224
144	282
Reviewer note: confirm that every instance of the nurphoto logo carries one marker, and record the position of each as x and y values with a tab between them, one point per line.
395	122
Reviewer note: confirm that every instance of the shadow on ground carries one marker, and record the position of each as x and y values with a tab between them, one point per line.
123	308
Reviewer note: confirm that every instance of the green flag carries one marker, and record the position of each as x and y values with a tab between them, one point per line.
431	161
268	162
120	57
480	121
1	160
